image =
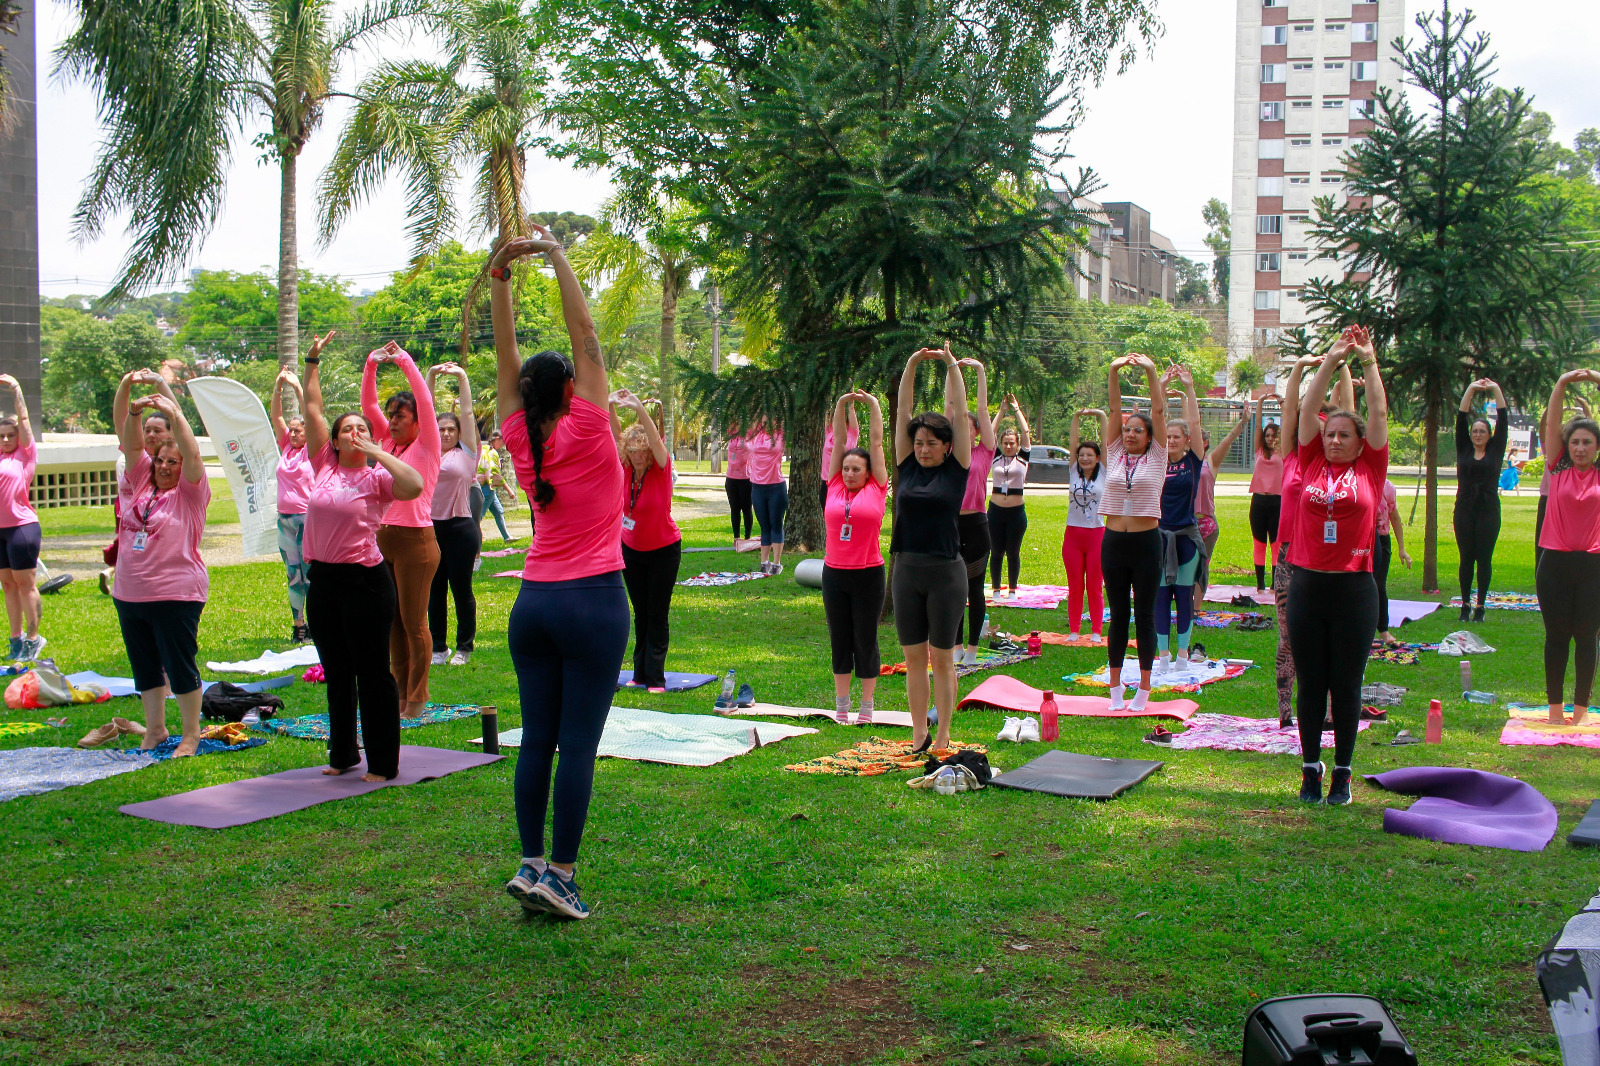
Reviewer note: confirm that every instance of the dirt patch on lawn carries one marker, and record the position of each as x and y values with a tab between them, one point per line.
856	1020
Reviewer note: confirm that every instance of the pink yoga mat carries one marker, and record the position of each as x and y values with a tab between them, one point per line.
1226	593
258	798
1009	694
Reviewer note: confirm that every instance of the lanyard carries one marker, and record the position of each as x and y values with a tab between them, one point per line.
635	487
1333	481
144	519
1130	470
850	498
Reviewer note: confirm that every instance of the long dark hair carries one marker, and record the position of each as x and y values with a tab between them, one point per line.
1100	459
403	398
1261	438
1588	425
543	384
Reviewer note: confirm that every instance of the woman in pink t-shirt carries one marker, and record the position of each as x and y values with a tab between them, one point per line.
455	528
652	547
407	428
736	483
1568	575
350	602
1333	599
294	481
161	582
973	521
769	493
852	561
569	626
19	527
1266	493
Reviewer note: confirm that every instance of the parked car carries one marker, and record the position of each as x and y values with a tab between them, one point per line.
1049	465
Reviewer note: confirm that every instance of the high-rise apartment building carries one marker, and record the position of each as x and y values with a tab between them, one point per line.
1307	73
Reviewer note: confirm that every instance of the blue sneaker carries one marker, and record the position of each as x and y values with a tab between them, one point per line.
560	895
15	652
523	889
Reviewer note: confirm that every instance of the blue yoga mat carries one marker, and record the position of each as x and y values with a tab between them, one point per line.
123	686
675	682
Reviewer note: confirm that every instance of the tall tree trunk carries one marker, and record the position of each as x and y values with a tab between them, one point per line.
1430	529
803	438
669	347
288	263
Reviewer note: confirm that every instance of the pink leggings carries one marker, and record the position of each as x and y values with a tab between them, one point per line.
1080	553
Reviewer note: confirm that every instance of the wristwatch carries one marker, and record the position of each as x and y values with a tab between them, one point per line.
503	273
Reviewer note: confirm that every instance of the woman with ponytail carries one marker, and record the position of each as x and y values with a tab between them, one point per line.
569	626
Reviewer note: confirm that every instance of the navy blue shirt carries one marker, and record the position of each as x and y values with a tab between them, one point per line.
1177	495
927	501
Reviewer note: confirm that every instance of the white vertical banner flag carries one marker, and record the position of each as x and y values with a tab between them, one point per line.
242	435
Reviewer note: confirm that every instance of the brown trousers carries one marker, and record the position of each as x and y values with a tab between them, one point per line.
412	553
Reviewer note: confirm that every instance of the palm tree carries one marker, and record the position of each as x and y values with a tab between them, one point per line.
178	80
658	254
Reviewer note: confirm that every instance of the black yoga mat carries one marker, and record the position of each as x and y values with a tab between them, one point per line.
1065	773
1587	831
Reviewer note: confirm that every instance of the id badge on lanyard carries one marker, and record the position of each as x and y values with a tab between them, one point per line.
844	532
140	540
1330	528
628	523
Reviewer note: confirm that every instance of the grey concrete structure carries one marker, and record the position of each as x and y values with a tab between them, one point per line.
19	218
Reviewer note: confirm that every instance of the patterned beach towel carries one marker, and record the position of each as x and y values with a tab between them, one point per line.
1216	619
1531	725
1189	679
987	660
1505	601
876	756
315	726
719	578
1227	732
1030	597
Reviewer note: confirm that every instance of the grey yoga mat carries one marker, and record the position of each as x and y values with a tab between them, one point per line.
259	798
1065	773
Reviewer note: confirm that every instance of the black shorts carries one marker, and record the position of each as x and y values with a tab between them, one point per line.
163	641
19	547
930	595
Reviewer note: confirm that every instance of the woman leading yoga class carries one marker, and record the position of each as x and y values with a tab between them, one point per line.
1333	600
161	581
1008	517
408	429
852	561
294	481
19	527
1480	453
931	453
569	625
974	519
652	547
1568	574
350	598
1130	551
455	527
1085	529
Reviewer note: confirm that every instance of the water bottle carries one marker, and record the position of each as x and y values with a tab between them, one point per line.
729	685
1466	675
1475	696
1435	731
1049	717
933	716
251	719
1035	644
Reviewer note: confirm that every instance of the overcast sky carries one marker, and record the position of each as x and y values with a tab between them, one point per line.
1158	135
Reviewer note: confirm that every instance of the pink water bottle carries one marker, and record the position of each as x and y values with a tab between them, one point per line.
1466	674
1035	645
1435	722
1049	718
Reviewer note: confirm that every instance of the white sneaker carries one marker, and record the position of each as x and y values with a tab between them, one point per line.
440	658
947	782
460	658
1028	731
1010	731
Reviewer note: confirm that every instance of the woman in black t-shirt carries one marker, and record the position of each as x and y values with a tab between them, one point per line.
930	580
1480	453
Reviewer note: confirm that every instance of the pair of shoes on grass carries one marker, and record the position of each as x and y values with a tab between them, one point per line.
1338	787
444	657
1024	730
117	727
947	781
542	889
730	699
26	649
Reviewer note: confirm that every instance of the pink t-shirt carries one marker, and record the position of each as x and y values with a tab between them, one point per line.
977	494
866	507
1572	517
1205	499
1291	498
850	441
294	477
765	454
580	533
421	455
158	538
1267	477
1390	498
1133	483
738	460
16	474
457	471
647	511
1347	495
344	509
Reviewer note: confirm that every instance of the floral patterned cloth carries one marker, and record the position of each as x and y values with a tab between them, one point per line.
1227	732
987	660
871	758
719	578
1505	601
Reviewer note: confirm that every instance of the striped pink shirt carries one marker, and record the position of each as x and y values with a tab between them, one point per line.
1133	483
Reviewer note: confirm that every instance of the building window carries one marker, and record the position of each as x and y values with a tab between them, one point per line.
1335	27
1271	73
1299	257
1302	180
1274	35
1366	70
1268	336
1269	186
1333	66
1267	261
1303	66
1299	142
1363	31
1332	105
1363	109
1272	111
1299	220
1274	3
1266	299
1332	179
1332	142
1306	27
1300	105
1269	148
1269	223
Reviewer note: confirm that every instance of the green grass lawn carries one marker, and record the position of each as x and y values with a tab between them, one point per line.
743	914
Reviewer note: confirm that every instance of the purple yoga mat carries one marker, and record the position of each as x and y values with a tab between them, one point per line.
1461	806
1403	611
258	798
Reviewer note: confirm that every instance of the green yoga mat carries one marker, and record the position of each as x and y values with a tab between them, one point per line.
315	726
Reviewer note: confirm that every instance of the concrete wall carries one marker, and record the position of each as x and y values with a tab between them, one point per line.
19	219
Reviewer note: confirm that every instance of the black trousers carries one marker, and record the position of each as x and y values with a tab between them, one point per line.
974	529
1332	619
1382	553
459	542
1477	528
740	505
1265	510
1131	563
650	577
1006	528
162	638
349	608
852	600
1569	602
1538	531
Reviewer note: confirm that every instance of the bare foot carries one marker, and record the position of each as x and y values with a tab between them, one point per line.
373	778
1580	715
410	714
187	746
153	740
335	771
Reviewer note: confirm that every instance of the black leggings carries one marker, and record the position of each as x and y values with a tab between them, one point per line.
739	505
1265	510
974	530
650	576
1477	528
459	541
1006	527
350	608
1332	619
1538	531
1131	562
1382	553
852	600
1569	602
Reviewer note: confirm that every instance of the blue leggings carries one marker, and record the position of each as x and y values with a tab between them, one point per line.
492	504
1181	592
567	640
770	502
